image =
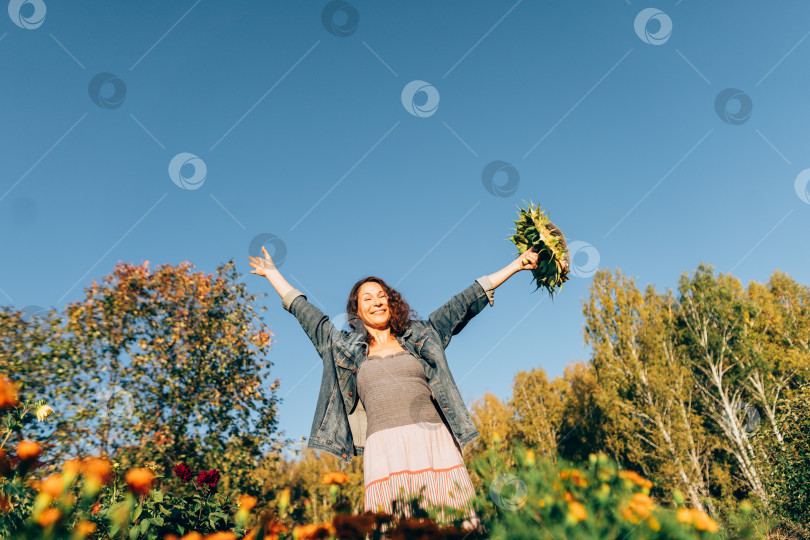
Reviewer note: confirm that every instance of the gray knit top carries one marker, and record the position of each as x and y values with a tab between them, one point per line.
395	392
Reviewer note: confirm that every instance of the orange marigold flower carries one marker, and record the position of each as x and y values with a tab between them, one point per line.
641	504
577	478
52	485
247	502
568	496
637	508
703	522
223	535
193	535
85	528
72	466
575	475
653	524
99	468
334	478
629	515
577	511
635	478
698	518
684	515
28	450
8	393
273	528
314	531
140	480
48	516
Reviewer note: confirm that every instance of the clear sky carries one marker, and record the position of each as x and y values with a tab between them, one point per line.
299	124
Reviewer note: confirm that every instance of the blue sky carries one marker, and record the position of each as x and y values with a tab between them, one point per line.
303	135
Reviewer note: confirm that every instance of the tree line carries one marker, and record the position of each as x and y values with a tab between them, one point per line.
704	389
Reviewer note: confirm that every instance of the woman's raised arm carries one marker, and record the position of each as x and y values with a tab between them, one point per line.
449	319
265	267
316	324
526	261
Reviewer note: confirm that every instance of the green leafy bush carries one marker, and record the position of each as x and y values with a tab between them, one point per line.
540	498
789	481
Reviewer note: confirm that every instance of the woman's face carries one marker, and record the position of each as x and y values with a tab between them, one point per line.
372	305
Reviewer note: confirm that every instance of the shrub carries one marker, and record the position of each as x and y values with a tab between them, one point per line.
543	499
789	481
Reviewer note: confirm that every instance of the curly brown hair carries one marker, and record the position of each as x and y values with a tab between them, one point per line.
401	313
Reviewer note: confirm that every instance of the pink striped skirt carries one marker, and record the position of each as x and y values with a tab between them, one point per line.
398	462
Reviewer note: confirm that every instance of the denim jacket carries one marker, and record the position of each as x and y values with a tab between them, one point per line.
339	425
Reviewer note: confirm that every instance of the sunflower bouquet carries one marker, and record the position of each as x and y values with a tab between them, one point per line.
535	232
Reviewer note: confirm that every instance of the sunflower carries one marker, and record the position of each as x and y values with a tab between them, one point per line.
535	232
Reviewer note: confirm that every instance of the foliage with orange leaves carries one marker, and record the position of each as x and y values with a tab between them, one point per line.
176	358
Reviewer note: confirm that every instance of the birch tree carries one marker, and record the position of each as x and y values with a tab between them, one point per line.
714	311
637	364
537	408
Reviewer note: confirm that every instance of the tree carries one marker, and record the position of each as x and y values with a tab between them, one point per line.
749	348
161	366
494	420
537	408
715	321
28	347
582	423
635	358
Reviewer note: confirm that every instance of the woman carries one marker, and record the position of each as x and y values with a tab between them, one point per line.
387	393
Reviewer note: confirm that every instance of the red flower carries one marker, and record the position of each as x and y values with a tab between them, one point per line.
208	478
182	470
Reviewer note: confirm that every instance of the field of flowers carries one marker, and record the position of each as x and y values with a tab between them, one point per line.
92	497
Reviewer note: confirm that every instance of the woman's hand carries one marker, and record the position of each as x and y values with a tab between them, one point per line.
528	259
262	266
